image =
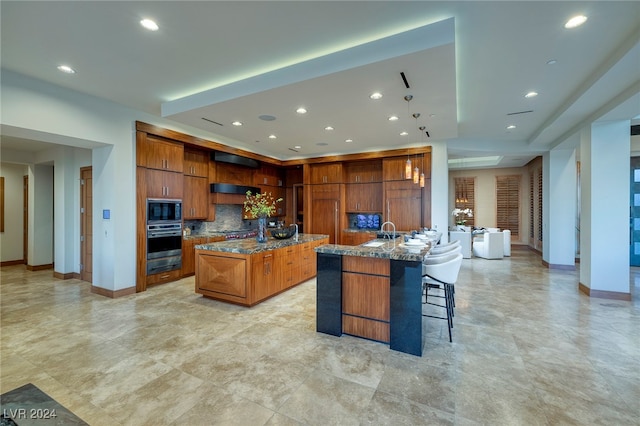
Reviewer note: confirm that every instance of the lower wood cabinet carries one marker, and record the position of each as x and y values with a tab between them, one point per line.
189	252
357	238
248	279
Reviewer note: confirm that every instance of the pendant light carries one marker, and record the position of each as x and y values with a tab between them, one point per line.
421	180
416	170
407	165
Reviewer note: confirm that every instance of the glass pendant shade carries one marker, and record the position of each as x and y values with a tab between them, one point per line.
407	169
416	175
421	180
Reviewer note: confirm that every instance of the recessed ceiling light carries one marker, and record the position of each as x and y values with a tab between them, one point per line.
432	115
149	24
393	118
511	127
348	140
301	110
552	62
328	128
237	123
67	69
322	144
404	133
531	95
376	95
272	137
576	21
266	117
297	147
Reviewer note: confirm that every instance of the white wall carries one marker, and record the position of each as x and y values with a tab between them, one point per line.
440	189
33	109
11	245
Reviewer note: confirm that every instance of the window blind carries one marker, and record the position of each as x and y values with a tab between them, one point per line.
508	203
465	196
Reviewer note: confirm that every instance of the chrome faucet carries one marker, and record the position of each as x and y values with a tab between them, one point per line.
295	236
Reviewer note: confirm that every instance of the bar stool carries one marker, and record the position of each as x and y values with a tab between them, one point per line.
441	272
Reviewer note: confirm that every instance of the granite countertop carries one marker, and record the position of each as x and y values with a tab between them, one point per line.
204	235
387	249
251	246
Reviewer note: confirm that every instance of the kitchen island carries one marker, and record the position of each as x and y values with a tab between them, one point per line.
246	272
373	291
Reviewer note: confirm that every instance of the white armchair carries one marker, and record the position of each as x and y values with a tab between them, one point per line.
489	245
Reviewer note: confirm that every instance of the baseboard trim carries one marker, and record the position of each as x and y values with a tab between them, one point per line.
12	262
558	267
66	276
39	267
111	293
600	294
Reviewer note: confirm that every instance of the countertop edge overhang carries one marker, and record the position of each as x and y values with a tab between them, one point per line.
390	251
251	246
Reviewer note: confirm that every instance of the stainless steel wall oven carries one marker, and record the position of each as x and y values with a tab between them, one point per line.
164	235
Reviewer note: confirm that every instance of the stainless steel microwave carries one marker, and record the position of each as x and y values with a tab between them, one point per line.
163	210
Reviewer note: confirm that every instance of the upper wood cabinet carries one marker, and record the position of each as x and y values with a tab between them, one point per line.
393	168
269	175
363	171
403	205
326	173
158	153
196	198
363	197
164	184
196	162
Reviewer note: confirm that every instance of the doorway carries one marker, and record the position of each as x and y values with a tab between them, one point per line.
634	213
25	219
86	224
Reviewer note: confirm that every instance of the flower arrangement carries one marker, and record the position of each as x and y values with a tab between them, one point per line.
459	215
260	205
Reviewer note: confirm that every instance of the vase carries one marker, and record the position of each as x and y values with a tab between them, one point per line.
262	229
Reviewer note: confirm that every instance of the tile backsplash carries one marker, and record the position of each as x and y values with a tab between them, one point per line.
228	218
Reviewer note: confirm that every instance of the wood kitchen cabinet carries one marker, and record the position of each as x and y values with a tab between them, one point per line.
326	173
393	168
357	238
247	279
189	252
268	175
196	162
363	197
195	198
363	171
403	205
157	153
161	184
326	202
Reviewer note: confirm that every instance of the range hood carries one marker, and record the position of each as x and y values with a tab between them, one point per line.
223	157
227	188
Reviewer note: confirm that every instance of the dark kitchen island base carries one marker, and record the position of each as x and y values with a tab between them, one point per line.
371	293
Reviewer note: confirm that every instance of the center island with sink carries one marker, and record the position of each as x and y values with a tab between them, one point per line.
373	291
246	272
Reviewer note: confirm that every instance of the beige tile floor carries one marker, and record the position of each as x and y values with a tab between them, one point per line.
528	349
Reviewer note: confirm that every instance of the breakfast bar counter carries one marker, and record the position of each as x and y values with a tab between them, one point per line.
373	291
